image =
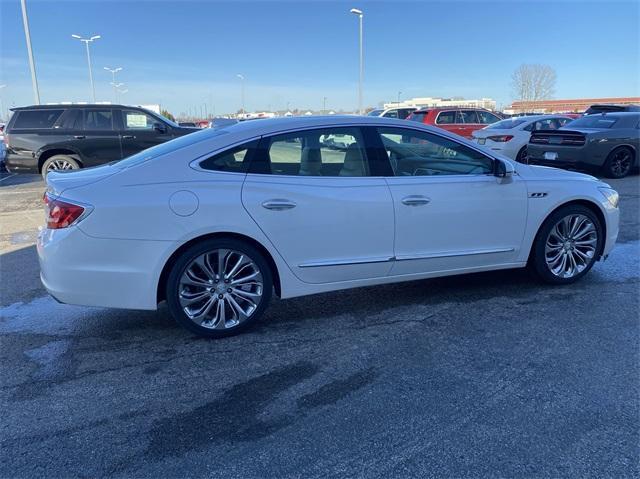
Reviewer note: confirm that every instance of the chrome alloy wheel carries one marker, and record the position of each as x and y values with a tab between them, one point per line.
220	289
571	245
59	165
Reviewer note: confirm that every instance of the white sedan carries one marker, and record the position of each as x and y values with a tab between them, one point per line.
510	137
216	221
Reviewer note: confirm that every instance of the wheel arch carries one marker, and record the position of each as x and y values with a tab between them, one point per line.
629	146
591	205
46	154
162	280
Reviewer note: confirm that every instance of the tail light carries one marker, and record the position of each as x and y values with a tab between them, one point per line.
61	214
500	138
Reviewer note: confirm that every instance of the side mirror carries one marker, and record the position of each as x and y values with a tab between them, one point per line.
503	169
159	127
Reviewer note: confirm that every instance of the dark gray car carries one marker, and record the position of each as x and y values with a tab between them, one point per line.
607	142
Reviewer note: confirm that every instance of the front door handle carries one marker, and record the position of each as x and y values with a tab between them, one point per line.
128	137
278	205
415	200
79	137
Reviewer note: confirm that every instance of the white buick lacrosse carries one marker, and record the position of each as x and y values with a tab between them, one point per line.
216	221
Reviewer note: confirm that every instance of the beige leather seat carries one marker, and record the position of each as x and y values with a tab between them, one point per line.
353	162
311	159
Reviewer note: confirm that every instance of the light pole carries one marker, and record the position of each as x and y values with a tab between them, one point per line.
116	89
324	105
355	11
241	89
399	93
32	63
86	42
113	81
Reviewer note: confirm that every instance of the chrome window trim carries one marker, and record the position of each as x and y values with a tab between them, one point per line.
451	254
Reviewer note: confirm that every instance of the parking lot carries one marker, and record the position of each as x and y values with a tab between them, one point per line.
490	374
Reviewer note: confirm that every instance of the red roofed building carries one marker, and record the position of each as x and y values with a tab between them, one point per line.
566	106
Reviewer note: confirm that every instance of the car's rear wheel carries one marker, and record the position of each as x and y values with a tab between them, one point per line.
567	245
58	163
619	163
522	155
219	287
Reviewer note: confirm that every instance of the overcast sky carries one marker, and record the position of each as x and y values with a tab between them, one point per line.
184	54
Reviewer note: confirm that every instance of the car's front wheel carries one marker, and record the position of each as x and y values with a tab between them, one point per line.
567	245
58	163
219	287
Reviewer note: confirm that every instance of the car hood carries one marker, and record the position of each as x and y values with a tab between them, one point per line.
59	182
535	172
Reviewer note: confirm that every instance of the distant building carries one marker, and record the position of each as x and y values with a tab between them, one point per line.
566	106
428	102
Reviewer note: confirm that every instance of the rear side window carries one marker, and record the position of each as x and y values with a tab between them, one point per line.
37	118
446	118
321	152
419	117
468	116
98	120
487	118
235	160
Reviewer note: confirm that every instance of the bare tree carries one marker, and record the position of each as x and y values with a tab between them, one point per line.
533	82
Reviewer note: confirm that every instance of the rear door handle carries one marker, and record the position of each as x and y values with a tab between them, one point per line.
278	205
415	200
79	137
128	137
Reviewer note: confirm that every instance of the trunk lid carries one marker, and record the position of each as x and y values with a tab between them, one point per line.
60	181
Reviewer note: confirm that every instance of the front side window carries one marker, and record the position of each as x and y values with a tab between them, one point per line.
446	118
486	118
322	152
137	120
418	153
235	160
37	118
468	116
98	120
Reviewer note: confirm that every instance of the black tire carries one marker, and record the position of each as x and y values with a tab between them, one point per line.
209	246
538	260
619	163
522	155
51	164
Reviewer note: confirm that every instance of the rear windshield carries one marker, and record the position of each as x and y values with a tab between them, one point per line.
375	113
417	117
593	121
168	147
506	124
36	118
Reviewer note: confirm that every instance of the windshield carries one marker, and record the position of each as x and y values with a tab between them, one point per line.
593	121
168	147
375	113
506	124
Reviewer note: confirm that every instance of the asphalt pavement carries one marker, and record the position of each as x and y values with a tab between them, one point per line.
485	375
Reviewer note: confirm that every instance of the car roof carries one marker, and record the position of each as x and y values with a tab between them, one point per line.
268	126
73	105
440	108
617	114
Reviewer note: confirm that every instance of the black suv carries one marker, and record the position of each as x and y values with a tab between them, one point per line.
43	138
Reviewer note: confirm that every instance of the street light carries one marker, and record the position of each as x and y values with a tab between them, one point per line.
399	93
355	11
113	81
32	63
241	89
86	42
116	89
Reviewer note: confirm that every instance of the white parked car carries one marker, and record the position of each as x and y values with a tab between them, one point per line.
399	112
215	221
510	137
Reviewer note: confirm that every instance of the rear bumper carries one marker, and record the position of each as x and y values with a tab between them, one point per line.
78	269
20	163
569	157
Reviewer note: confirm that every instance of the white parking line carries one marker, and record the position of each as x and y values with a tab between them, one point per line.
10	176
